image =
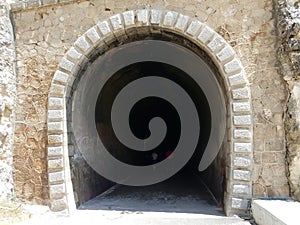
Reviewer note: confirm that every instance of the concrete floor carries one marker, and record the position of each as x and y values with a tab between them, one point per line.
183	193
181	200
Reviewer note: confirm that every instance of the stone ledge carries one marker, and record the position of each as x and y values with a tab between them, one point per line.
276	212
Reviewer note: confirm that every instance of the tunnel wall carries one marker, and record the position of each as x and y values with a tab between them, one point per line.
45	34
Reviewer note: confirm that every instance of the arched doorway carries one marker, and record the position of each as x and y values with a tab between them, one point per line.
174	44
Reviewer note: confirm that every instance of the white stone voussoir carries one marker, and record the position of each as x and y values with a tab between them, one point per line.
239	203
241	93
129	18
182	22
142	17
82	44
156	17
170	19
55	151
216	44
93	35
240	161
67	65
226	54
243	175
242	134
233	67
104	28
206	34
241	106
116	22
242	147
194	28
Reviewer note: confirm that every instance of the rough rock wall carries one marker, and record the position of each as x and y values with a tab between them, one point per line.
289	56
7	94
44	34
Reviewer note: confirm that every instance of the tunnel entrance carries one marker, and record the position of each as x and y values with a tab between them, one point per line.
148	108
106	165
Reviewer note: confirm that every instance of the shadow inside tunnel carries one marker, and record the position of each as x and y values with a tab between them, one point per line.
182	193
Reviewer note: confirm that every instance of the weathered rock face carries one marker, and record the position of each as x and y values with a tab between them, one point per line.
289	55
7	95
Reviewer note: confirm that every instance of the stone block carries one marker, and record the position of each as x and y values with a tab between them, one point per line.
55	103
129	18
241	93
269	157
49	2
156	17
238	79
55	151
55	114
238	203
142	16
194	28
274	144
116	22
54	139
16	6
241	106
257	157
225	54
242	189
67	64
55	127
104	28
74	54
60	77
242	120
216	44
242	134
57	90
275	212
58	205
57	191
233	66
206	34
241	161
82	44
55	164
244	175
93	35
56	177
182	22
170	19
32	3
242	147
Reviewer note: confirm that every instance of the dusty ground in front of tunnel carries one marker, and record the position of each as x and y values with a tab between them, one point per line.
180	200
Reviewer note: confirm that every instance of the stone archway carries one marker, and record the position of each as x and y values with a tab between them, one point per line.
118	28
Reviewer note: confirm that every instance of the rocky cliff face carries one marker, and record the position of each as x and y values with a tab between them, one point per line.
289	56
7	93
